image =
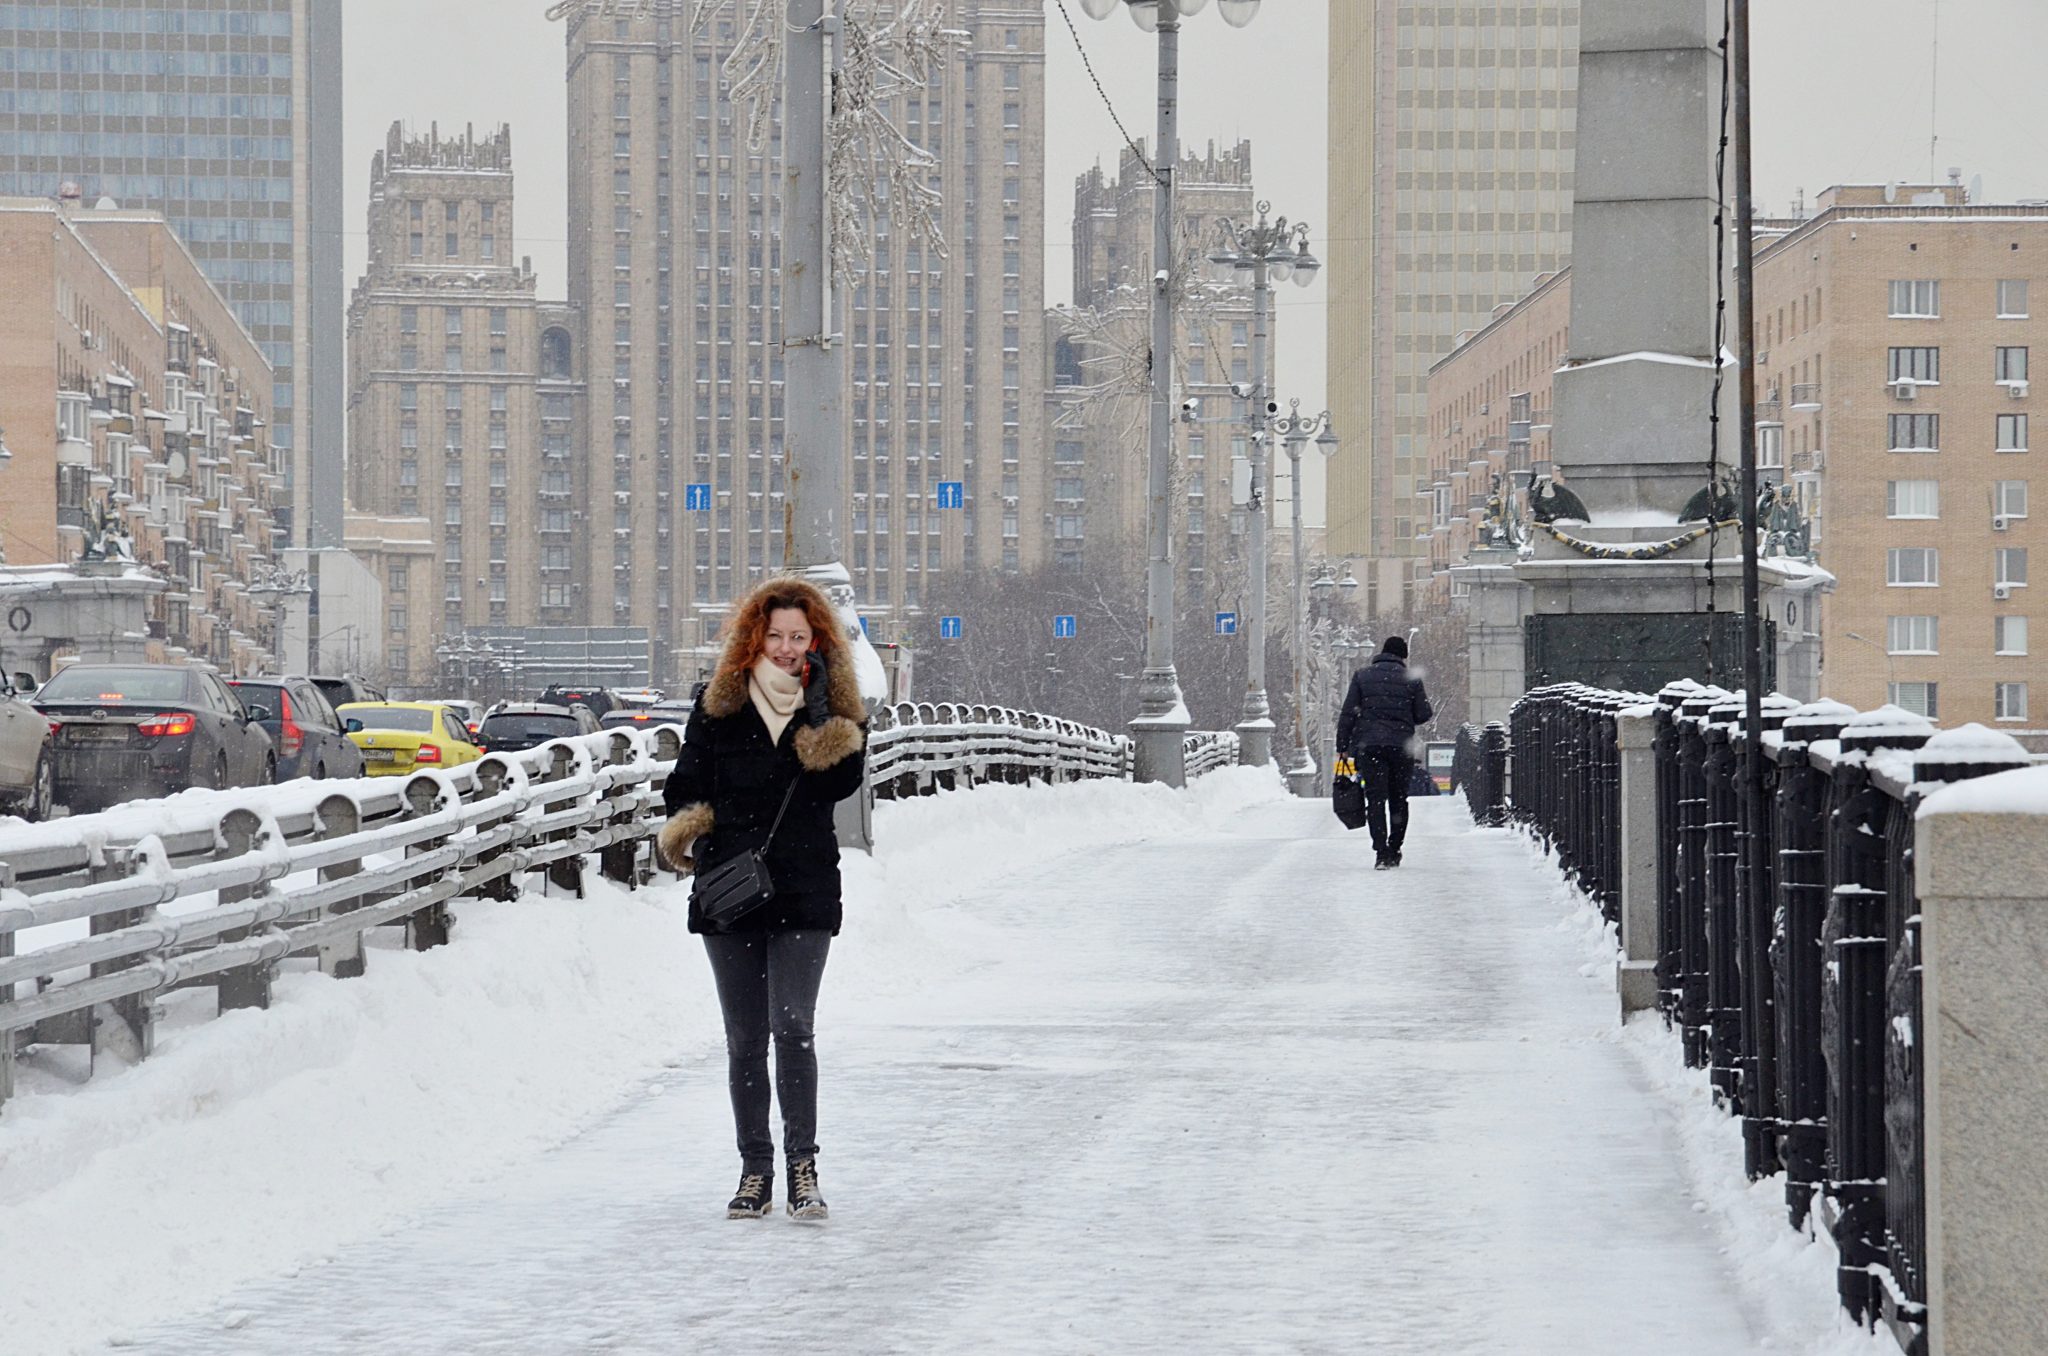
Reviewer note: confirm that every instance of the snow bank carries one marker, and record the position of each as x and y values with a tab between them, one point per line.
263	1141
1787	1275
2023	791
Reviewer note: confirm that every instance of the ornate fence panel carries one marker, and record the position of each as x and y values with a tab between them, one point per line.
1798	989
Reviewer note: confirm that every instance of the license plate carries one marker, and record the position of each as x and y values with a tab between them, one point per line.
98	734
380	755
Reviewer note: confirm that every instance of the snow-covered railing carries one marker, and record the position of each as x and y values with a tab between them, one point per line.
1204	751
1799	989
918	747
103	914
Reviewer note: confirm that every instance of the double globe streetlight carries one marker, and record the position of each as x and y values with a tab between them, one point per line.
1296	431
1265	252
1162	715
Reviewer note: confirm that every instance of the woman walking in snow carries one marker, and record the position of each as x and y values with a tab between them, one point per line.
774	743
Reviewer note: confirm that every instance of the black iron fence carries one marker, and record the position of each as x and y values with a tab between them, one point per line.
1479	768
1798	992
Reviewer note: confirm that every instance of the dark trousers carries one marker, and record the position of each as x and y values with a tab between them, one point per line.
1385	773
768	988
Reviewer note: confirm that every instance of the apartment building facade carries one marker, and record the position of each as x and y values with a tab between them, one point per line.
463	408
137	414
1098	398
675	269
1894	329
1452	131
224	116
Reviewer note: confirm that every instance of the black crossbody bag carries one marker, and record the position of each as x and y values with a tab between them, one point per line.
732	890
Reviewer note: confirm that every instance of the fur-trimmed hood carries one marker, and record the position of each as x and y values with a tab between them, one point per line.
726	693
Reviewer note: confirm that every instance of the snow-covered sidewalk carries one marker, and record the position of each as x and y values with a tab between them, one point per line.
1104	1069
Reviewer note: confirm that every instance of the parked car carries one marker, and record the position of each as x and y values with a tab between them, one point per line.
28	770
346	689
309	735
667	713
472	713
599	700
120	731
402	737
512	726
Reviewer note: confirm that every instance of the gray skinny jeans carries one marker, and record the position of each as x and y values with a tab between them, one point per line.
768	987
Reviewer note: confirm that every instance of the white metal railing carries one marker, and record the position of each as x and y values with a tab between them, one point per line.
217	888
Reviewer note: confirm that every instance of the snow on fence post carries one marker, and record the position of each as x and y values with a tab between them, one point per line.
241	832
339	816
1982	866
1636	976
619	859
426	927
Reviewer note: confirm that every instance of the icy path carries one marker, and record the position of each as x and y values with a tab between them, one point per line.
1235	1094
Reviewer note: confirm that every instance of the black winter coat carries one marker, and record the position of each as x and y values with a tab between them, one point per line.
1383	707
729	782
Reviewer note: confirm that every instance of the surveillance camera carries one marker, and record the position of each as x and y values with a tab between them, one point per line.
1272	408
1240	389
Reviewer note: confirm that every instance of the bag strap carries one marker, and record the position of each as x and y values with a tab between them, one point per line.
779	813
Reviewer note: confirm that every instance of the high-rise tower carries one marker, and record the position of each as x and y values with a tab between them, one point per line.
675	265
225	116
1451	149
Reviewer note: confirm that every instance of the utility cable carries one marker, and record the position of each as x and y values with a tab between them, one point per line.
1720	335
1089	66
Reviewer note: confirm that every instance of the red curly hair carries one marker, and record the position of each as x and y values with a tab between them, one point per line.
746	638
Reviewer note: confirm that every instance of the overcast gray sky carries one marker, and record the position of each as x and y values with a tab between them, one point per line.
1844	93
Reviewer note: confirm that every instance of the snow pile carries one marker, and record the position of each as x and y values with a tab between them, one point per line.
2023	791
1787	1274
262	1141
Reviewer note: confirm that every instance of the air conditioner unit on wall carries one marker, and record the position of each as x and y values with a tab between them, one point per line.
1905	390
1999	522
2001	591
2016	389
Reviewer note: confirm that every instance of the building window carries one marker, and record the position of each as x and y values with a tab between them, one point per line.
2012	701
2012	299
1915	432
396	618
2012	433
1912	635
1915	364
1917	298
408	320
2010	364
2009	635
1912	567
2012	566
1919	698
1912	499
1770	446
2009	498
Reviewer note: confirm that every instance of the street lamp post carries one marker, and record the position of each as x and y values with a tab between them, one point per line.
1295	430
1162	715
1267	252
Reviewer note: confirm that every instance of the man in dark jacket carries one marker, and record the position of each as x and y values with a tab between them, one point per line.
1378	722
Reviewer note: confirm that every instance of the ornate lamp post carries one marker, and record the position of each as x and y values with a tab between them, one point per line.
1267	252
1295	431
1162	715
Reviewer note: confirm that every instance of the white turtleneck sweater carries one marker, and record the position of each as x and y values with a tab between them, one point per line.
776	696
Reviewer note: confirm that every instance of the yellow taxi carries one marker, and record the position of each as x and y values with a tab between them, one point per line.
403	737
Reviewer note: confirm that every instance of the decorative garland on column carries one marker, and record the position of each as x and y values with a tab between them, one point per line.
1649	550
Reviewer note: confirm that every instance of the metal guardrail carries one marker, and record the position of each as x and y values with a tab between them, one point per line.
1479	768
218	888
1799	992
1204	751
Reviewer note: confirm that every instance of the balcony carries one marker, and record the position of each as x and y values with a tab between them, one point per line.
1806	395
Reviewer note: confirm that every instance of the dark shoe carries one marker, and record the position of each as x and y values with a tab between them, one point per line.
1394	857
804	1201
1382	859
755	1198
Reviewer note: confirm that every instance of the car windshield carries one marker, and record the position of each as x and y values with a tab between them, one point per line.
534	725
390	718
260	694
336	690
115	685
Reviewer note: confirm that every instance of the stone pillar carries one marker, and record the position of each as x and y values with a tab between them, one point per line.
1636	975
1982	877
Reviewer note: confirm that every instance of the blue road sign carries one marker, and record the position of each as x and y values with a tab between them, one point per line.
1064	628
864	625
949	628
952	494
697	498
1226	623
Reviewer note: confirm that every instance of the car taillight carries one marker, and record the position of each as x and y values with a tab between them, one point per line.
294	737
170	723
428	753
56	727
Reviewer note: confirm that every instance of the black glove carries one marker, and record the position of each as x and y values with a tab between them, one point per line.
817	688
